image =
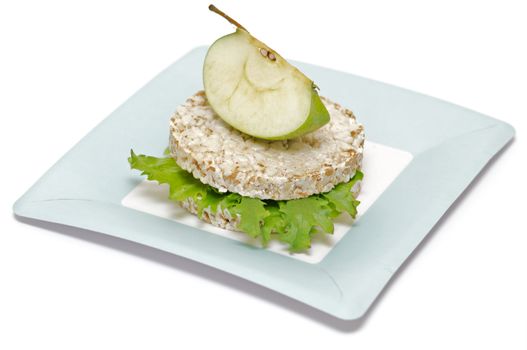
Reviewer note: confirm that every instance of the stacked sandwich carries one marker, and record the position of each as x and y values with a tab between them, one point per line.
259	151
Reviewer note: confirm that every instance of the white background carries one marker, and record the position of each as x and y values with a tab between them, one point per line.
64	66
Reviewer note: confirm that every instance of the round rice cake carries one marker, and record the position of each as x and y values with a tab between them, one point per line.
231	161
223	218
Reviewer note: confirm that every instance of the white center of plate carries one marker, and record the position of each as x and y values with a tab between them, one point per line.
381	165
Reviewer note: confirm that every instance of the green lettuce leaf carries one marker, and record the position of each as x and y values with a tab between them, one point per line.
252	215
341	197
292	222
274	223
302	216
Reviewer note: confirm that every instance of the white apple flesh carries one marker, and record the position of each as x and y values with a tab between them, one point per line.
258	92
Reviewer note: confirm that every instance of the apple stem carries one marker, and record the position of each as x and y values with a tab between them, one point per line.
227	17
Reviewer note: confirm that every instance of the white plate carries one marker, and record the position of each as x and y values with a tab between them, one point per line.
449	145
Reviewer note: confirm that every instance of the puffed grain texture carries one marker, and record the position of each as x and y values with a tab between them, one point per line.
228	160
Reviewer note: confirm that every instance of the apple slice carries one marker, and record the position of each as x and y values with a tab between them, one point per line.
255	90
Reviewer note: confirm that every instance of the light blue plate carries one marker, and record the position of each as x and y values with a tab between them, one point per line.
450	145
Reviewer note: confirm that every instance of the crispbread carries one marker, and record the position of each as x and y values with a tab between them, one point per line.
218	155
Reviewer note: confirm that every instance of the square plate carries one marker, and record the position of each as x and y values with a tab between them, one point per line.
449	145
